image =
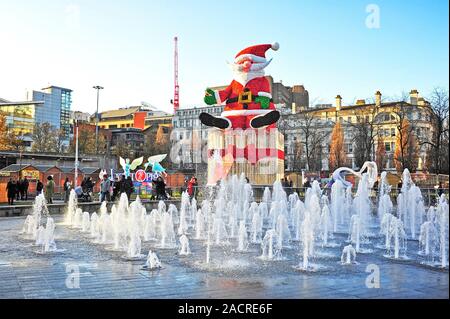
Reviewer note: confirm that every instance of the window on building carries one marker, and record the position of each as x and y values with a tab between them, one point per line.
393	146
387	146
349	119
349	148
392	131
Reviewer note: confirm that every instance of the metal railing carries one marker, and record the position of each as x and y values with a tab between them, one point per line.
430	195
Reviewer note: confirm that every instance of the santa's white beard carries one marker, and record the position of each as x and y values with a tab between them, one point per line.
245	77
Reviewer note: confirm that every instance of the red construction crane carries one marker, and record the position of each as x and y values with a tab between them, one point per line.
176	94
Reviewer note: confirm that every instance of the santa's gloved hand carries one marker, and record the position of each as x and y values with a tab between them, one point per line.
210	97
264	101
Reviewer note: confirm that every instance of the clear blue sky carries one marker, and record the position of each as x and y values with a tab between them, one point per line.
127	47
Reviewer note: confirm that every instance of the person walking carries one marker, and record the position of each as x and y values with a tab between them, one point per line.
11	191
39	187
26	185
67	188
104	189
49	190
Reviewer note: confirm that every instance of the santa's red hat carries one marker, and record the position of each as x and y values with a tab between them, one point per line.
257	52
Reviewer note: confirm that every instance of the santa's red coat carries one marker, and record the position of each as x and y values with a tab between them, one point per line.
240	114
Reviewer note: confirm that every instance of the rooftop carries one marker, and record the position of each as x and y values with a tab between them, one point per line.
56	87
7	103
120	112
353	107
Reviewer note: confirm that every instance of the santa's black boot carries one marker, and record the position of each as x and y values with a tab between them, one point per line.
209	120
265	120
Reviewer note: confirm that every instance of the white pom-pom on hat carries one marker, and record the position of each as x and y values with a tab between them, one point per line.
275	46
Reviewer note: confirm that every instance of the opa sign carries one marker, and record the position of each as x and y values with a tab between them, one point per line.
140	176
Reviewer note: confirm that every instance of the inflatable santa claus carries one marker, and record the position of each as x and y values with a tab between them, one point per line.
248	100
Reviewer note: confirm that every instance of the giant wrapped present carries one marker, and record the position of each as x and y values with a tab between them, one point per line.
257	153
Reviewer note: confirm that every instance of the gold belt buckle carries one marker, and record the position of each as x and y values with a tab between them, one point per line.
245	97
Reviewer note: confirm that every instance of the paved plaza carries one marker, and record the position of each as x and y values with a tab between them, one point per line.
103	273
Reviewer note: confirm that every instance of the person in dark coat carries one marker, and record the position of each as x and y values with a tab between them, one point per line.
115	189
399	186
128	187
160	188
18	188
11	191
307	184
25	186
122	184
39	187
89	185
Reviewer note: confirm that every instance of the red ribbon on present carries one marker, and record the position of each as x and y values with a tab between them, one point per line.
250	153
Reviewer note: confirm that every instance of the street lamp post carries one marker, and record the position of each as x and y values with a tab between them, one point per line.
98	88
76	155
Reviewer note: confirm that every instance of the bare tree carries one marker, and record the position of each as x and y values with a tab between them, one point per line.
122	148
406	151
438	114
312	134
86	143
44	138
364	134
60	139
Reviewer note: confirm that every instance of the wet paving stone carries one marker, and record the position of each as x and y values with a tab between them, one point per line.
105	275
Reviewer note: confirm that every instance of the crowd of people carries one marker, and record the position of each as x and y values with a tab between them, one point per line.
17	190
111	190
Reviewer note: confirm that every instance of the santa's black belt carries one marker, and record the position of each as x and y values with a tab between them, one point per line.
236	99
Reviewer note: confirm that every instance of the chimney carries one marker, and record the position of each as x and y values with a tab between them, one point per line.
413	97
360	102
377	98
338	103
294	108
